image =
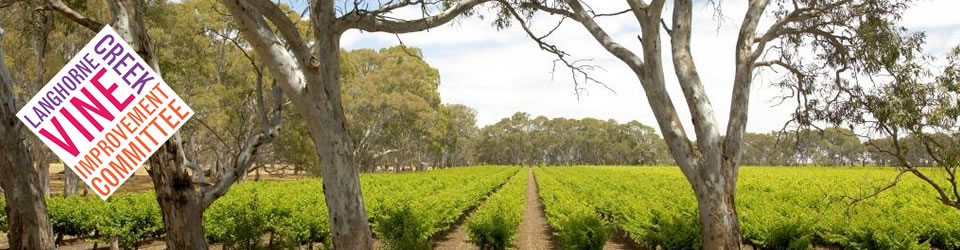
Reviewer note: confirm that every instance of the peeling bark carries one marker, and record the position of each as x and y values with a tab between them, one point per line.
718	215
29	226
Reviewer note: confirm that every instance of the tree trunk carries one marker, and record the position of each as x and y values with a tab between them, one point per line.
70	182
29	226
42	158
719	226
343	195
341	176
43	176
180	205
318	101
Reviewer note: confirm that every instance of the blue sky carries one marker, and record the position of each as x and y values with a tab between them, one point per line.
502	72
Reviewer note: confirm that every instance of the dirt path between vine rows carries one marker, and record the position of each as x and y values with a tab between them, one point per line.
534	231
533	234
536	234
456	237
456	240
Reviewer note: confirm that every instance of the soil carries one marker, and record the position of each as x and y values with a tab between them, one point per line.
534	231
456	240
620	241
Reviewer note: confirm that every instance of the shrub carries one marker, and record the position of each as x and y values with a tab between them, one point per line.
75	215
584	231
672	231
291	213
400	228
407	210
236	220
494	232
494	224
792	236
575	222
130	218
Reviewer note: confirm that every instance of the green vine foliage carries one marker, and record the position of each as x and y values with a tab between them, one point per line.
128	218
409	209
406	209
494	224
778	207
574	220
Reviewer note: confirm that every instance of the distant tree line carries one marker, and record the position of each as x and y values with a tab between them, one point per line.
833	146
523	140
398	122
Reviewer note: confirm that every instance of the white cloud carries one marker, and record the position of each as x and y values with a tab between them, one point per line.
502	72
930	14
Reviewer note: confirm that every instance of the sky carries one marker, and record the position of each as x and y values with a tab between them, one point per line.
500	72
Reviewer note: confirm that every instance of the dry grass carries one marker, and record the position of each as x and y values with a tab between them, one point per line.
140	181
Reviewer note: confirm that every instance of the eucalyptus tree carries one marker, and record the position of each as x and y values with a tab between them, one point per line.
35	32
309	72
28	224
460	136
41	43
909	116
392	106
172	168
711	163
840	147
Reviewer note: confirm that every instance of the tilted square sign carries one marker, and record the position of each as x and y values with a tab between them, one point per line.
105	112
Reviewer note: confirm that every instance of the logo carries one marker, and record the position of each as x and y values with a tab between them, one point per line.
105	113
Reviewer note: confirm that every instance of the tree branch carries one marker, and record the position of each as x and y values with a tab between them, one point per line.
7	3
73	15
575	69
795	16
743	78
281	64
244	158
624	54
551	10
666	28
374	21
701	111
877	191
611	14
287	29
